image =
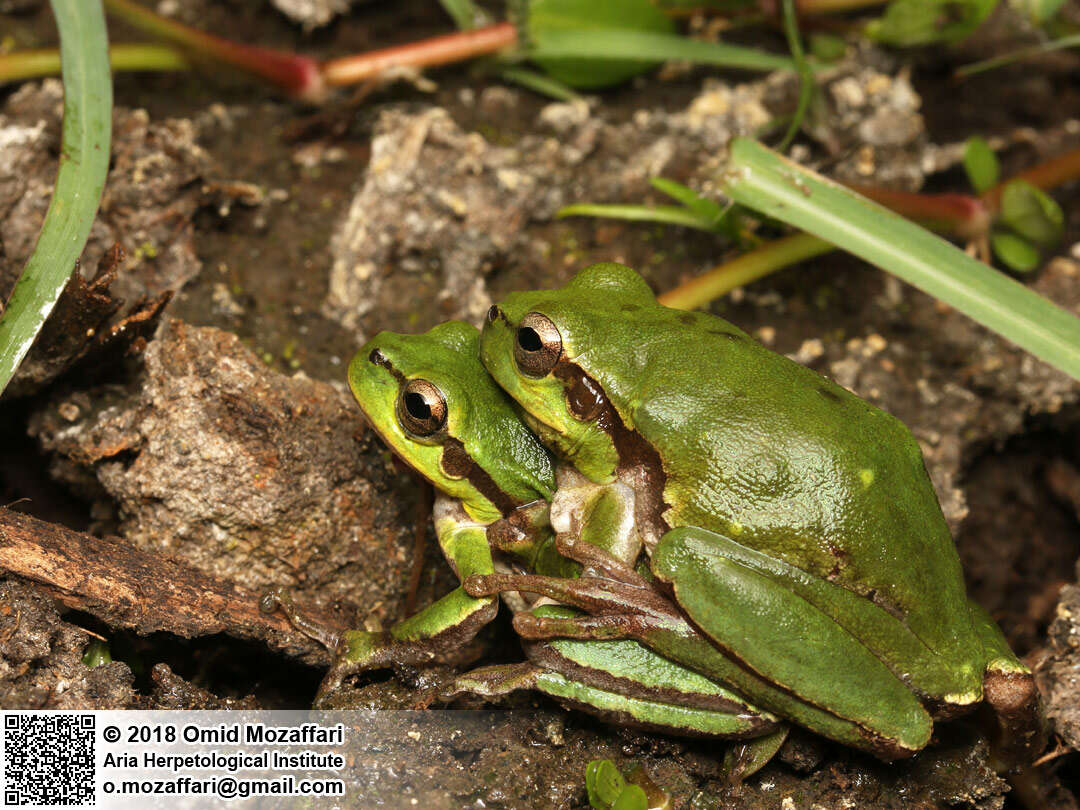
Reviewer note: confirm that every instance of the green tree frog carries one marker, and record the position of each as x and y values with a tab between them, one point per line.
430	400
790	521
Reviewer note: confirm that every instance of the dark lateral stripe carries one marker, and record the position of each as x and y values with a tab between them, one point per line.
632	449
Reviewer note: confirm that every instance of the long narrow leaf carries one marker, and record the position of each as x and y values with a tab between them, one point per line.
665	214
80	180
763	180
623	43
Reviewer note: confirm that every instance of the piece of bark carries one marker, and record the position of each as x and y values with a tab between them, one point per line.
85	328
127	587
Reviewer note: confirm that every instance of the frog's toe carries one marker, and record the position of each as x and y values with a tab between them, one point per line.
1009	689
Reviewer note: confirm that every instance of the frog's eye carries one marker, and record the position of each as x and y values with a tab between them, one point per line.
537	346
421	408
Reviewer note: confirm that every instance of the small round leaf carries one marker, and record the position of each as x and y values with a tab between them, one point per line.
981	164
1014	251
1032	213
632	798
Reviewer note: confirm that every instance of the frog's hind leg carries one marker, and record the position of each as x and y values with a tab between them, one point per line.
617	708
1009	689
788	637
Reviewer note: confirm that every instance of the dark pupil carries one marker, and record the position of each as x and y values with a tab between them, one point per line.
417	407
529	340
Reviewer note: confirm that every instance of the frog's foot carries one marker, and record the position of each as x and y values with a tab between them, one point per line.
595	595
281	599
1009	689
598	560
1011	693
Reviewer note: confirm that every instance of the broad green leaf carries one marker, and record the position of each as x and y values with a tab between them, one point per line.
604	783
924	22
1014	251
80	179
549	21
981	164
1032	213
765	181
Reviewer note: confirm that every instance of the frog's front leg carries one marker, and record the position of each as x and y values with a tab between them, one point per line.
435	632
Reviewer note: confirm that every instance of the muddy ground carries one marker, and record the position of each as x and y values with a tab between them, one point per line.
214	428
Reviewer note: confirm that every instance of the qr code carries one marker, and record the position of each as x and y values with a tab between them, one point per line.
49	759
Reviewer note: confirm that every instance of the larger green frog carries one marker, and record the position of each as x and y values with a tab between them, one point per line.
791	521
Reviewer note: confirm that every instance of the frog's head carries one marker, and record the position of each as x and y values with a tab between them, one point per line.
431	401
537	346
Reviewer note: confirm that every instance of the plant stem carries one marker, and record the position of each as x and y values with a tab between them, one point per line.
1050	174
443	50
296	75
46	62
749	267
962	215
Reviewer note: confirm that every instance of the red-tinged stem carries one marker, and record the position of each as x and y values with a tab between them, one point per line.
1055	172
963	215
443	50
298	76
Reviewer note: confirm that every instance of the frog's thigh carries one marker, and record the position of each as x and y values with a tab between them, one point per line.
949	683
1009	688
788	641
620	709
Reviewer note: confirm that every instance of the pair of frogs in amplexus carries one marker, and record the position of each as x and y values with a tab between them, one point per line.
726	544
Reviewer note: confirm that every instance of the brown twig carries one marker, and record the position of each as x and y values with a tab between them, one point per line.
128	587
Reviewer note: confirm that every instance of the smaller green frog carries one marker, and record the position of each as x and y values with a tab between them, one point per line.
430	400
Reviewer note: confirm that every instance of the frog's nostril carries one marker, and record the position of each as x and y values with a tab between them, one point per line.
492	314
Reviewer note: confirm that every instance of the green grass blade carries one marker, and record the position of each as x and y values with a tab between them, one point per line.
539	83
665	214
802	67
1071	41
624	43
759	178
84	163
